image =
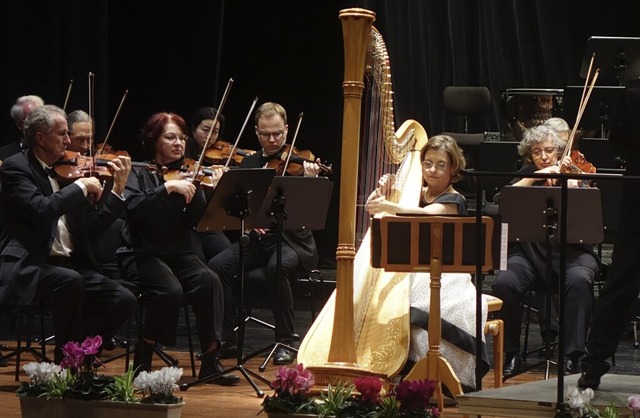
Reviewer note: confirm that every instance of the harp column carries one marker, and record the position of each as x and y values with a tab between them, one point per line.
342	361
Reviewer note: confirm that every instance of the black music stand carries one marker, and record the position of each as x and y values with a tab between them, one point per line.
293	193
541	206
234	202
617	58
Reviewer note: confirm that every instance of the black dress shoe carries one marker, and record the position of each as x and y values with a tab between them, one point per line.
142	357
512	363
228	349
589	381
283	356
210	366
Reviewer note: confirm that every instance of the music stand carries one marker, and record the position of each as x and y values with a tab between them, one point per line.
292	193
541	206
235	202
617	58
419	243
599	111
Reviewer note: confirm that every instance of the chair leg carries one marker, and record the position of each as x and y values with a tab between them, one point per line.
495	327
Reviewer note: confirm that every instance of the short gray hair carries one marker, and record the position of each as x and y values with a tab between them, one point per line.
41	120
77	116
557	124
535	136
17	110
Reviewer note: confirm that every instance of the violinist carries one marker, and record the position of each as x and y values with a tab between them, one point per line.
211	242
200	125
46	252
157	254
299	251
21	109
80	132
526	263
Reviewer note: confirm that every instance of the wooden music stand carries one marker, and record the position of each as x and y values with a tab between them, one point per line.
421	243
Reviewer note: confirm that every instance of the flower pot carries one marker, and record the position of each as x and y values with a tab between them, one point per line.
57	408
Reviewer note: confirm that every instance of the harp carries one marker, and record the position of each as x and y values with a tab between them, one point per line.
364	327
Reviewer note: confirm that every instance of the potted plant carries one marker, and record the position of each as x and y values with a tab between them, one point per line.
74	388
361	398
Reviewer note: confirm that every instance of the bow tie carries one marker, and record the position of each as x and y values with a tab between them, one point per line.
264	159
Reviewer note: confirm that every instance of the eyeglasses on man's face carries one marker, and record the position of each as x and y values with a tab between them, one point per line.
440	166
266	135
537	152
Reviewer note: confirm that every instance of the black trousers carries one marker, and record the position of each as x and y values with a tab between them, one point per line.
261	251
166	281
620	290
510	285
83	301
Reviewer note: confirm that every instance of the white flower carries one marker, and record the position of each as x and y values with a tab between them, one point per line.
159	382
578	400
41	373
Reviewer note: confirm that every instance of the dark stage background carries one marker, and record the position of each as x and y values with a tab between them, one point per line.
177	56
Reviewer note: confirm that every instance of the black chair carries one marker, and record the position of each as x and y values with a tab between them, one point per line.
463	102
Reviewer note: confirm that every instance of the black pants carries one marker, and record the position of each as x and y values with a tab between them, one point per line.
620	290
261	251
83	301
510	285
165	282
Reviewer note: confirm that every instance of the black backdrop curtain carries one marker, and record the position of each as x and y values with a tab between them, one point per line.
179	56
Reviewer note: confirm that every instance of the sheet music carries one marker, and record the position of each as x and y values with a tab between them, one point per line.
504	241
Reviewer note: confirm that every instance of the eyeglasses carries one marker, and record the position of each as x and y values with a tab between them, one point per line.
537	152
172	137
441	166
266	135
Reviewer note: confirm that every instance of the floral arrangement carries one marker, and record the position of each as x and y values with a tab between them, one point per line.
579	405
407	399
76	377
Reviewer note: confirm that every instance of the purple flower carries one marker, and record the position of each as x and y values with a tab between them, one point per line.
293	381
91	346
369	388
634	402
73	355
415	395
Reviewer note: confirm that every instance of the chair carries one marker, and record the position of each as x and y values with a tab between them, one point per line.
25	316
466	101
495	327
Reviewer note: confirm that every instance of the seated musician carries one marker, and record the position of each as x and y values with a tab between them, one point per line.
442	161
49	228
80	132
209	243
298	248
526	263
157	255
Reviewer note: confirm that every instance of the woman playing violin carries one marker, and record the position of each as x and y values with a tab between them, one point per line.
526	262
298	249
158	254
200	126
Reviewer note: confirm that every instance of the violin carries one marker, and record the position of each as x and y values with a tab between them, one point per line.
220	151
296	162
75	165
581	163
185	171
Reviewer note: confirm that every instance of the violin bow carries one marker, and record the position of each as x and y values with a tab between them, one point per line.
92	78
586	94
113	122
293	143
235	144
66	99
215	121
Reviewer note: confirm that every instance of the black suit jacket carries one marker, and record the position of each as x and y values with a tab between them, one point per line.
300	240
29	211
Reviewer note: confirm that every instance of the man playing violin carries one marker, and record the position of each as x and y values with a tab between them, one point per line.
80	132
158	256
299	251
46	247
526	262
21	109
